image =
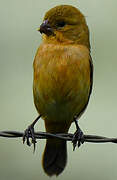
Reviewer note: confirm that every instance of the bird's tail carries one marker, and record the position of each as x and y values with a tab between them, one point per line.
54	157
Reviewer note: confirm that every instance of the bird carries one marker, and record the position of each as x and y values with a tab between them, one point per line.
62	83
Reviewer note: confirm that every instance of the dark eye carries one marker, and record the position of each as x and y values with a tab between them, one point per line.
61	24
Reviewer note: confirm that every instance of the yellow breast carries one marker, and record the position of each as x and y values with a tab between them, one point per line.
61	81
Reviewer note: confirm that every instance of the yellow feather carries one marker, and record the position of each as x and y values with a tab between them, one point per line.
62	82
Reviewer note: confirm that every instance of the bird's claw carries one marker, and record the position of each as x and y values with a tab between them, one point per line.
78	138
29	133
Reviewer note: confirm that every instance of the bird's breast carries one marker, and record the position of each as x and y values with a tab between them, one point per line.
61	80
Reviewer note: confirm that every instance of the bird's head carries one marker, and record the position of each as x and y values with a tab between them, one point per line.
65	24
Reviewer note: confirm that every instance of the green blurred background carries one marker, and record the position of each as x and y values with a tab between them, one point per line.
19	39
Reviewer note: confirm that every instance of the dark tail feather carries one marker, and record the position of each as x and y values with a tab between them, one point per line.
55	157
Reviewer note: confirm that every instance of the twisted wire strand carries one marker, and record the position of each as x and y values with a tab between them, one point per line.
67	137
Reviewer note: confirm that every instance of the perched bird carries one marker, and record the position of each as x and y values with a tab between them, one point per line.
63	76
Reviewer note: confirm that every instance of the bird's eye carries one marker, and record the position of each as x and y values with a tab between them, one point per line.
61	24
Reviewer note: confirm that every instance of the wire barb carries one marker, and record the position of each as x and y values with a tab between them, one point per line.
66	137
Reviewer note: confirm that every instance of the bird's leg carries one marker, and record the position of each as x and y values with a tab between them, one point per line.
78	137
29	133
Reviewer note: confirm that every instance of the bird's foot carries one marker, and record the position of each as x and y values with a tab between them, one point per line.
78	138
29	133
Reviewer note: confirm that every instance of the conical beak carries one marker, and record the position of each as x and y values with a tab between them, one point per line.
46	28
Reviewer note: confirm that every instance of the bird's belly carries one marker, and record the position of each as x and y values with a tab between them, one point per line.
61	84
61	105
61	91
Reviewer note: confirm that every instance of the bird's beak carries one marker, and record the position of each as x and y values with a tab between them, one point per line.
46	28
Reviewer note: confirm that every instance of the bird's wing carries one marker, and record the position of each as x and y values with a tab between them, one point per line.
91	84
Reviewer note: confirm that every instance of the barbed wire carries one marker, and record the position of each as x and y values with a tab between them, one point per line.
67	137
